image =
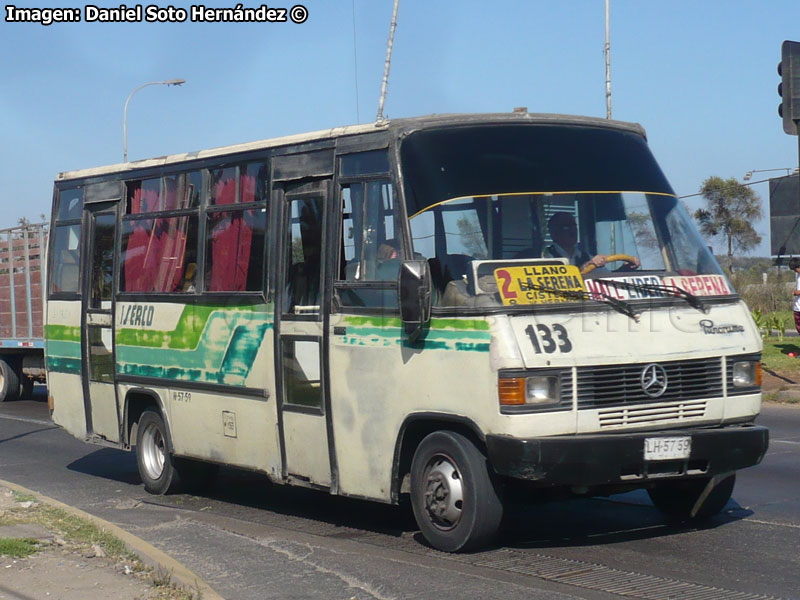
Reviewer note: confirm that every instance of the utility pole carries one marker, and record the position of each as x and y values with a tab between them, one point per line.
388	62
608	66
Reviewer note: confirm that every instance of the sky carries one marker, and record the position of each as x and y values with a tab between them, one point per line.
700	76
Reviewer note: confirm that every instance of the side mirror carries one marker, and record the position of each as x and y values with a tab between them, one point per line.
415	296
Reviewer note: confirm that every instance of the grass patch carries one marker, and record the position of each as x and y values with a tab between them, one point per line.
18	547
78	531
73	529
776	355
20	497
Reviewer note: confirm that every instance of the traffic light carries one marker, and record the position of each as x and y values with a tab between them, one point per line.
789	87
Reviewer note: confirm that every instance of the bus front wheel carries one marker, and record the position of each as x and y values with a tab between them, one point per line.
455	501
677	499
156	468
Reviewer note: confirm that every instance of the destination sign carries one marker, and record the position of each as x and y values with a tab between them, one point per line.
701	285
600	289
530	284
697	285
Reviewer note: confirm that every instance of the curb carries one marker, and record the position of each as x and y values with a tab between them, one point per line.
149	554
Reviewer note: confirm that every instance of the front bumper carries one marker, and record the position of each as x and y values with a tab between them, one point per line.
590	460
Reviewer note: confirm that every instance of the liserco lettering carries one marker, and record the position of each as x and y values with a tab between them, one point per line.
137	315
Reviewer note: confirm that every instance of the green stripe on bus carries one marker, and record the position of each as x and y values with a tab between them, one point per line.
223	352
64	333
462	335
192	325
438	334
64	365
63	349
436	324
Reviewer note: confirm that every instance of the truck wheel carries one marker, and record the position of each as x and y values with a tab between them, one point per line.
677	498
152	454
9	382
455	501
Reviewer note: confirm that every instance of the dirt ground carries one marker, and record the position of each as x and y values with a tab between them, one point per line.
62	573
64	570
781	386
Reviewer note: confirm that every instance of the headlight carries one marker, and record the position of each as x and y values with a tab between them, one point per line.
746	373
535	390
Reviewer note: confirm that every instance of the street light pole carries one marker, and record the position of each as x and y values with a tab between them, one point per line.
749	174
125	112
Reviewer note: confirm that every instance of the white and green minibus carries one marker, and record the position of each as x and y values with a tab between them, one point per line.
450	307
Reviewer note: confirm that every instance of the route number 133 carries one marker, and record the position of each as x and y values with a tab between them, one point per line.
547	340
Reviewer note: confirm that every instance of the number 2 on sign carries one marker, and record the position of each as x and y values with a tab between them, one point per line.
548	344
507	293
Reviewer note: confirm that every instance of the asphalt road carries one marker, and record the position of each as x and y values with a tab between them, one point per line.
250	539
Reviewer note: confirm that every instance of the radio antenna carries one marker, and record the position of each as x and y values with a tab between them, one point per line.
388	62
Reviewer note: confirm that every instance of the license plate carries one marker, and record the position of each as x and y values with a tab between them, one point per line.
667	448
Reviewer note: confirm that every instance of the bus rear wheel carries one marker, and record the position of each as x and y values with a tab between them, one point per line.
153	458
455	501
678	498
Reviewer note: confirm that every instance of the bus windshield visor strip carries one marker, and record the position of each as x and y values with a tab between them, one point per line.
676	292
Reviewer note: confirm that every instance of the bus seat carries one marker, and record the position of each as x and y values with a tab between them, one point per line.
455	266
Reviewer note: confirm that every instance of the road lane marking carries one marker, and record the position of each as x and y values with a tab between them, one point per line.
27	420
760	522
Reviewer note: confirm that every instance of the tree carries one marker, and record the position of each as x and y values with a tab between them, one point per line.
730	211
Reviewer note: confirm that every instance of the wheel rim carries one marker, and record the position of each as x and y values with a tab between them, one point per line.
153	451
444	492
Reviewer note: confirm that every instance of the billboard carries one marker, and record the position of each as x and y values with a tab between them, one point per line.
784	215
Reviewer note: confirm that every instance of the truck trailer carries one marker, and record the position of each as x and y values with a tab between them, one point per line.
22	264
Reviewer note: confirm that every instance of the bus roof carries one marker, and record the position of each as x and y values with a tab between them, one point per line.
395	127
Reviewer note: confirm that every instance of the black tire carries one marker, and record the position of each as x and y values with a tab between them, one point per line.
9	382
455	500
156	467
677	498
196	475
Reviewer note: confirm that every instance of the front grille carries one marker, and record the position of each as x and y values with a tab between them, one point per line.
647	415
621	385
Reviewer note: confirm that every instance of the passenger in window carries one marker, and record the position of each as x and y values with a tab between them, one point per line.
564	233
387	250
189	276
388	260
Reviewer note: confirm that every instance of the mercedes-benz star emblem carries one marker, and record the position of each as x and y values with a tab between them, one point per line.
654	380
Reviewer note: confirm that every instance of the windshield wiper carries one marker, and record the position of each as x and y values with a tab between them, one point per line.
693	300
618	304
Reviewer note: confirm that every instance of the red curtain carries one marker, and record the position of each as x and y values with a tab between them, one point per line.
231	238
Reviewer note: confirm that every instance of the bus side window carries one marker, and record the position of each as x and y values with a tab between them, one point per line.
302	292
372	246
236	236
66	255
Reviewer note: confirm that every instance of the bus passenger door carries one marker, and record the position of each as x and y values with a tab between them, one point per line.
99	391
304	415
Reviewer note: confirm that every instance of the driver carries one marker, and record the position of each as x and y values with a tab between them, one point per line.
564	233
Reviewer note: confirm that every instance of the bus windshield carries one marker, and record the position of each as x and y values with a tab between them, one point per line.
528	208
